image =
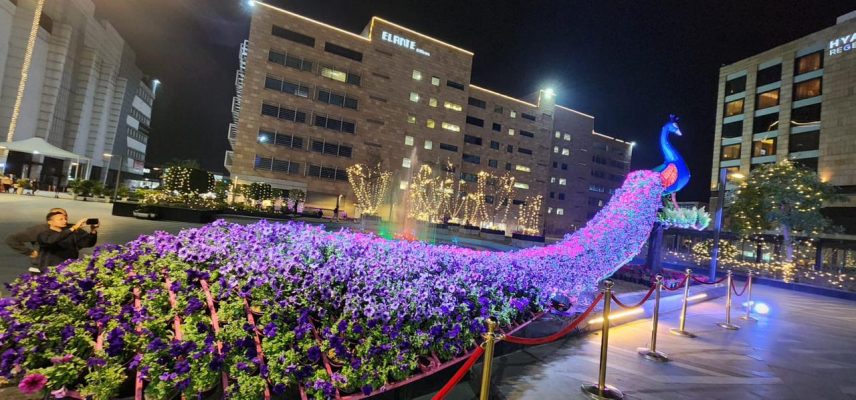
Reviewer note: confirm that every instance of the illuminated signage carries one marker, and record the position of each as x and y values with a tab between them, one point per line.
403	42
842	44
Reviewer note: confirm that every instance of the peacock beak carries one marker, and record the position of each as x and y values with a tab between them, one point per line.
678	132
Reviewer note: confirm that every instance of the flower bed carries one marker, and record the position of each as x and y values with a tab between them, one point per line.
285	309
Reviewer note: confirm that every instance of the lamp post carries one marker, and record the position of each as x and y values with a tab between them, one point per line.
118	174
109	158
717	222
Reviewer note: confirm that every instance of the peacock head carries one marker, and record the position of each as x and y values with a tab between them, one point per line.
672	125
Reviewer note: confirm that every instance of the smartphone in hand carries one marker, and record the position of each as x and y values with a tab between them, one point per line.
92	221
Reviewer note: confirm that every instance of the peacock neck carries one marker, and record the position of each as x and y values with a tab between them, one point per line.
669	152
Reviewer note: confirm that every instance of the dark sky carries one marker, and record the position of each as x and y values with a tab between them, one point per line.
628	63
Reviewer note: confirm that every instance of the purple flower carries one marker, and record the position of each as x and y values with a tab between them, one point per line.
314	354
270	330
93	362
182	367
366	389
193	305
32	383
115	342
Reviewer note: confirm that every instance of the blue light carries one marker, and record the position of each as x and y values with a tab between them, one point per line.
761	308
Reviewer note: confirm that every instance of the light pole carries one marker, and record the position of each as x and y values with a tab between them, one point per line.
717	222
109	158
118	175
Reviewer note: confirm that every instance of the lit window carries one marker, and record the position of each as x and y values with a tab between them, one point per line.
414	97
552	179
563	182
429	123
333	74
521	185
429	145
452	106
806	89
435	81
568	137
549	210
560	211
510	132
565	151
411	119
767	99
403	185
451	127
432	102
417	75
555	149
558	134
512	114
408	140
733	108
522	168
405	163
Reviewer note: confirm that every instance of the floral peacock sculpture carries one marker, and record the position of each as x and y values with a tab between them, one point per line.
290	310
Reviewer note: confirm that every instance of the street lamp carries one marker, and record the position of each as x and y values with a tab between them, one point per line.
109	158
717	223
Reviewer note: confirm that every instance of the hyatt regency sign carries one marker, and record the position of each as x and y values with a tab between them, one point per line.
842	44
403	42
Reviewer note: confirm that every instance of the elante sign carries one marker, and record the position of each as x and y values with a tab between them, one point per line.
403	42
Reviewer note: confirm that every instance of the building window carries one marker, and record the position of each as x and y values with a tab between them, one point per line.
552	179
497	109
767	99
509	148
807	163
293	36
414	97
497	127
598	159
564	166
452	106
528	116
560	211
765	123
524	151
408	140
343	51
764	147
508	166
734	108
527	134
558	135
807	115
405	162
284	113
732	130
521	185
332	173
411	119
473	140
335	123
566	151
549	209
451	127
563	182
475	121
336	99
561	196
290	61
735	85
339	75
429	145
556	149
522	168
472	159
769	75
280	139
598	173
808	63
730	152
807	89
597	189
806	141
494	145
454	85
417	75
429	123
432	102
435	81
567	137
448	147
402	185
510	132
492	163
331	149
476	102
512	114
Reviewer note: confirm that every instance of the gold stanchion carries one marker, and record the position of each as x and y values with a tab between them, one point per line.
652	353
727	324
681	331
489	341
748	316
602	391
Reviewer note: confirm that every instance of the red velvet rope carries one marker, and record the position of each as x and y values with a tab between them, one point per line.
558	335
459	375
683	282
708	283
641	302
745	285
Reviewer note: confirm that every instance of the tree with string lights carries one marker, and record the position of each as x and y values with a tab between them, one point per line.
782	197
370	185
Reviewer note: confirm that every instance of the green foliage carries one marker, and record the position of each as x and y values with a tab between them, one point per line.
86	188
727	251
221	190
25	183
688	218
187	180
781	197
259	191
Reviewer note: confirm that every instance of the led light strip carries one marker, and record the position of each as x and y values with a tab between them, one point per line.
25	69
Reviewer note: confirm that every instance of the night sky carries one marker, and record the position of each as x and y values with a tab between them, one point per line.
628	63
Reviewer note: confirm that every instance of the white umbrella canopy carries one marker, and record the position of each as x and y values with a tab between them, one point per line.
38	145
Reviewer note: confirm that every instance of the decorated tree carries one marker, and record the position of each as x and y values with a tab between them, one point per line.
781	197
259	191
370	185
429	194
529	215
187	181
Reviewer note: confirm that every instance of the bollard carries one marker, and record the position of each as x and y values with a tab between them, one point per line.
602	391
652	353
489	341
727	324
681	331
748	316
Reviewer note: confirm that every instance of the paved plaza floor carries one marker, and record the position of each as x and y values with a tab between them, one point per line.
805	348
